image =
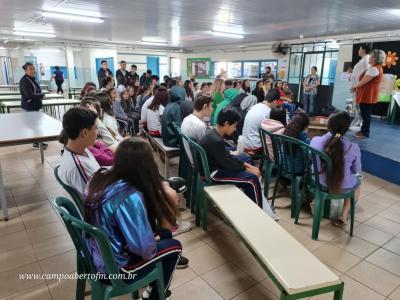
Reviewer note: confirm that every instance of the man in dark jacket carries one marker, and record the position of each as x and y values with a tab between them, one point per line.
103	72
122	74
145	78
31	93
132	74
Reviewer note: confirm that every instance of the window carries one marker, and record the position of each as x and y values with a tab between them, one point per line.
220	69
273	64
295	68
175	67
234	69
329	68
251	69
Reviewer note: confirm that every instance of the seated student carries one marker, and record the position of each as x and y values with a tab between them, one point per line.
128	105
193	125
242	103
297	129
143	95
89	86
205	88
217	93
245	88
289	104
346	159
109	119
228	169
252	122
78	163
108	83
155	112
275	124
188	85
125	124
136	213
229	94
259	91
196	89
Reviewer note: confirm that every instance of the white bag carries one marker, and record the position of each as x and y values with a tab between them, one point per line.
336	208
240	144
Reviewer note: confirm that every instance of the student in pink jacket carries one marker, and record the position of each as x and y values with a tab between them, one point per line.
275	124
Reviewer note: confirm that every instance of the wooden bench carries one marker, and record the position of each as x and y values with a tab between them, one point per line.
169	152
294	270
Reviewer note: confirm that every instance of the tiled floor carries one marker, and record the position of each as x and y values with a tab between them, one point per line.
35	241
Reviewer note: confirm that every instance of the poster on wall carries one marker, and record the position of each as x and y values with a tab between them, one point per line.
199	67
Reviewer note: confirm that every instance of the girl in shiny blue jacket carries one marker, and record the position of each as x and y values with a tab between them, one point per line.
133	209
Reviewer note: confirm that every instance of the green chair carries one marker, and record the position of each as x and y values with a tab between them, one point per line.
201	179
285	158
314	159
114	286
185	167
269	163
71	191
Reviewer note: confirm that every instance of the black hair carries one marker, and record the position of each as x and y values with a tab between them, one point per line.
144	89
57	68
272	95
228	82
244	88
188	91
203	85
122	62
209	83
134	66
106	80
315	68
149	72
279	114
338	125
300	122
26	65
105	103
103	61
161	97
89	86
228	114
77	119
154	77
201	99
366	47
195	84
268	67
133	154
92	100
172	82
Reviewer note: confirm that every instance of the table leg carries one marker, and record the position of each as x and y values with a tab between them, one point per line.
3	197
41	152
166	166
8	110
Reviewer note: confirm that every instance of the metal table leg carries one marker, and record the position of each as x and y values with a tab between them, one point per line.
3	199
41	152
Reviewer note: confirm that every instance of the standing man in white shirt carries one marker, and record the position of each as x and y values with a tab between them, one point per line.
360	67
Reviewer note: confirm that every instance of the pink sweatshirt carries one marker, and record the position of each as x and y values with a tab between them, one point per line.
101	152
275	127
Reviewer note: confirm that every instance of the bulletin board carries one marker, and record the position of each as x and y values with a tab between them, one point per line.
199	67
62	69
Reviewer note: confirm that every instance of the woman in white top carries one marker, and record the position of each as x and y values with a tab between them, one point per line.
155	111
109	119
188	90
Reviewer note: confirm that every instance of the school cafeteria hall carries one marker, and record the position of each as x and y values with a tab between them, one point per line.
199	150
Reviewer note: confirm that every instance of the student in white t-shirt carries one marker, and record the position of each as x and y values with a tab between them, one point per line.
253	119
109	119
155	111
193	125
78	164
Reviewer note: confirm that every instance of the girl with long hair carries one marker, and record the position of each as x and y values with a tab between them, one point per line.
135	212
188	85
245	86
217	93
259	91
155	111
346	160
109	119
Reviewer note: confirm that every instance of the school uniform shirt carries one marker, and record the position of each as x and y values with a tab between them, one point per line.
217	155
252	123
75	170
111	123
104	134
143	112
193	127
154	119
352	160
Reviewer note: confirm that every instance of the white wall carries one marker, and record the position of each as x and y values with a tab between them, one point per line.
100	53
341	90
234	56
48	57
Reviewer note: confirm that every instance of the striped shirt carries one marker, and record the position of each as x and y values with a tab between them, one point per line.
76	170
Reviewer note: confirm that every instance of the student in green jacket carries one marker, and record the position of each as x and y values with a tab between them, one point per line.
229	95
217	94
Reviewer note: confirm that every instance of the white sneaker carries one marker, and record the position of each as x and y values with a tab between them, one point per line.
181	227
268	210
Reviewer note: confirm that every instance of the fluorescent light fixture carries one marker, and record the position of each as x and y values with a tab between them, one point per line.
71	17
153	43
227	34
5	42
36	34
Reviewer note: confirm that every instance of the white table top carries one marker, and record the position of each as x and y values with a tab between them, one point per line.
28	127
17	92
17	97
296	268
45	102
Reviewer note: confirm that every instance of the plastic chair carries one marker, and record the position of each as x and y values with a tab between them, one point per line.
314	159
186	168
71	191
285	155
201	179
269	162
114	286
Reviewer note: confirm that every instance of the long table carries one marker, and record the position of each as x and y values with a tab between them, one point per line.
17	92
51	103
16	86
30	127
18	97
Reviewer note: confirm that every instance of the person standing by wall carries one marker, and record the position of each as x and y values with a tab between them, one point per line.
367	90
59	79
360	67
103	72
122	74
310	84
268	76
31	93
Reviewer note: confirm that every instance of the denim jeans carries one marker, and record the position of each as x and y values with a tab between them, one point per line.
365	110
309	103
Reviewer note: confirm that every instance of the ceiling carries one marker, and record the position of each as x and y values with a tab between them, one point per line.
188	24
